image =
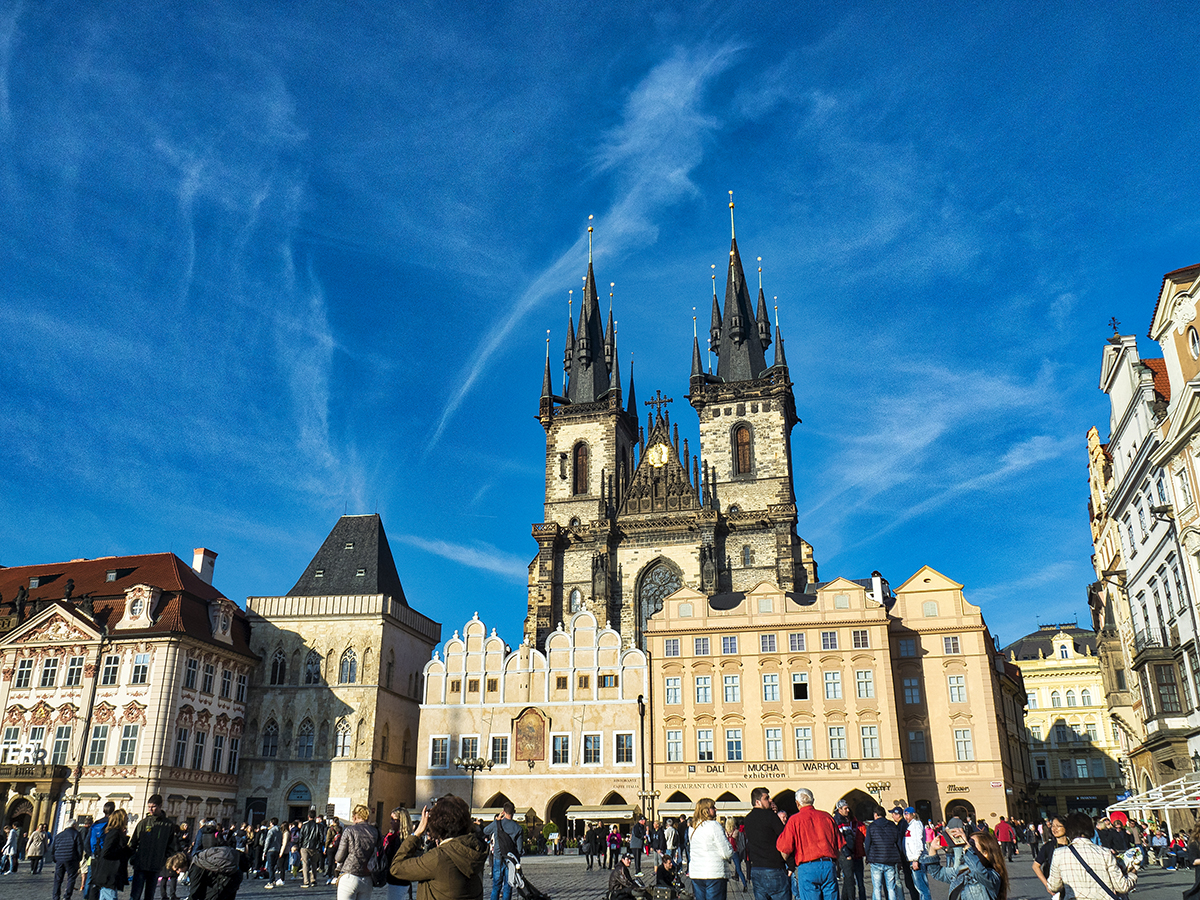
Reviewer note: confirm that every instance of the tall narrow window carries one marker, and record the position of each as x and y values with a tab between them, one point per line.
198	751
218	752
304	740
62	745
579	484
348	670
270	739
235	744
98	745
181	745
342	738
741	446
312	667
279	668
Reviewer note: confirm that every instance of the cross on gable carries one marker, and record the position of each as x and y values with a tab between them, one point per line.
1114	325
658	401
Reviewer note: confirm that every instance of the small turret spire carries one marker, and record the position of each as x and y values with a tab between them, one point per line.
631	407
697	367
714	329
780	359
764	321
590	218
547	385
616	363
732	230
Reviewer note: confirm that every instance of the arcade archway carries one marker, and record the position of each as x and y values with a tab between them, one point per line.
961	808
556	812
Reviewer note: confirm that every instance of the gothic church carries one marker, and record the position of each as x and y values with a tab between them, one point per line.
630	514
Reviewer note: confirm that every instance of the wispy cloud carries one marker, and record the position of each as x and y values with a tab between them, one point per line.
650	156
476	556
1061	574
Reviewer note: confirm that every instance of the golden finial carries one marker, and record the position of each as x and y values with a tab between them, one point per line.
547	345
760	274
611	285
590	237
776	300
571	305
732	232
714	278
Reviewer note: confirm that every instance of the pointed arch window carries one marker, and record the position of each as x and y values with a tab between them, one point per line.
576	600
305	735
341	738
348	668
660	581
579	471
279	667
312	667
270	739
743	455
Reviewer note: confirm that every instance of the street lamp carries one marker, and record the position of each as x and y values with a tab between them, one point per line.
641	702
877	788
1196	760
473	765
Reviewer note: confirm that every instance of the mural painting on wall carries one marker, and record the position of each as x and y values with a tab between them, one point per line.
531	735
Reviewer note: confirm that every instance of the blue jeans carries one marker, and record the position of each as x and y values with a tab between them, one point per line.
815	880
709	888
770	884
108	893
737	867
885	882
916	882
501	888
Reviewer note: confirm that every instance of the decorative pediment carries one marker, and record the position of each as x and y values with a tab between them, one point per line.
134	712
68	713
186	713
55	630
104	713
203	718
41	714
15	715
661	482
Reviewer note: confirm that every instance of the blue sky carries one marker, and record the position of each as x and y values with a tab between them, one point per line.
263	264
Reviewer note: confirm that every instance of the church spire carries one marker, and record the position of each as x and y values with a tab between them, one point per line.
616	363
740	355
589	379
547	383
631	407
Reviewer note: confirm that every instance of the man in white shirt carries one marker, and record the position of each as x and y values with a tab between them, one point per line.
914	849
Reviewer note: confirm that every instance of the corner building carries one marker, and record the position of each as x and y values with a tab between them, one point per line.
335	700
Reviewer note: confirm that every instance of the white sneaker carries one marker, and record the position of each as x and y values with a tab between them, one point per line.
279	883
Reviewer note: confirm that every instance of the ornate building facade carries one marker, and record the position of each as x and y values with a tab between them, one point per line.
122	677
560	725
333	719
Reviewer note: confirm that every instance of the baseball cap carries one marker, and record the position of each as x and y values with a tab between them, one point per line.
910	810
898	810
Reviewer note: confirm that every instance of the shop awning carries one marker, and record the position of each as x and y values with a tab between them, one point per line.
487	813
1182	793
602	813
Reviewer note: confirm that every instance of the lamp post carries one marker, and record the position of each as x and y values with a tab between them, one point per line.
877	788
473	765
641	702
1196	760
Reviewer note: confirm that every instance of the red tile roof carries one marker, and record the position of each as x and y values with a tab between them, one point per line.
1179	275
1162	384
183	607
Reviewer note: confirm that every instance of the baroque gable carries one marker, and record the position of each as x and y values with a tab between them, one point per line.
660	484
56	629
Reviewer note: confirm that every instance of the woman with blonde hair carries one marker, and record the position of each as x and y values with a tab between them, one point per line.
110	872
709	853
355	849
401	828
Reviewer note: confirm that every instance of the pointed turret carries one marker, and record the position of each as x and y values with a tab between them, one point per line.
547	384
714	331
569	353
631	407
780	359
764	322
610	342
740	356
616	369
589	379
697	365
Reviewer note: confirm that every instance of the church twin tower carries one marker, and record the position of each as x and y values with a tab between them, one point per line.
630	516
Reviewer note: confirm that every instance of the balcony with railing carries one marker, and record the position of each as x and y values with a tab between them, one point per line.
1155	642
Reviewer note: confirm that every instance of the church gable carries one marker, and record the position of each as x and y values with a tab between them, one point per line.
660	484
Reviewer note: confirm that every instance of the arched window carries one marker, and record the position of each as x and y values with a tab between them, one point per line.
1062	652
658	583
312	668
576	600
341	738
743	458
390	670
747	556
348	669
304	740
1055	698
383	745
1070	698
1085	697
579	484
270	740
279	667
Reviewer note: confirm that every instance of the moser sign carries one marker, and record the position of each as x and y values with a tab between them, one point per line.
22	754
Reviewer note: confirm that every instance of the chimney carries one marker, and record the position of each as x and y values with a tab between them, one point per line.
203	561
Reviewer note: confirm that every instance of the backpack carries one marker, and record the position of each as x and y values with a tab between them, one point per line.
377	864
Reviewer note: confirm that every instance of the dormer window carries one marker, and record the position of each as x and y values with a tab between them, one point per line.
320	573
137	605
349	545
224	623
34	581
140	601
110	575
361	572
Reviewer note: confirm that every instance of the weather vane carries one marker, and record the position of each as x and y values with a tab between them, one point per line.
1114	325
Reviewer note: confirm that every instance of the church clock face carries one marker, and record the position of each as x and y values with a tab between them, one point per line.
658	455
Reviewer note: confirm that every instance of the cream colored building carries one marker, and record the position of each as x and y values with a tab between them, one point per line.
560	725
1074	743
122	677
846	689
334	712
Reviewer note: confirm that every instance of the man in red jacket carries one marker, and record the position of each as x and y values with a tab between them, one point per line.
1007	837
810	839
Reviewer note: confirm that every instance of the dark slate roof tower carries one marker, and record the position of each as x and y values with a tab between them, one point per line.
355	559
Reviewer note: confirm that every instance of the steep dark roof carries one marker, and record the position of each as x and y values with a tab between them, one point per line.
1037	643
183	607
589	376
357	543
740	354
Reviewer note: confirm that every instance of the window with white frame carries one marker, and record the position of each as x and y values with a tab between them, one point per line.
829	640
500	749
226	683
671	647
958	688
560	752
833	685
837	742
870	741
774	737
439	752
235	746
181	745
908	647
240	694
733	688
141	669
704	689
98	745
468	747
62	745
860	638
804	743
704	744
864	681
675	746
592	753
766	643
191	669
964	751
674	690
74	672
37	735
24	676
218	752
624	747
729	645
1031	700
208	678
733	744
198	749
700	646
796	642
799	685
50	672
1035	732
770	687
950	644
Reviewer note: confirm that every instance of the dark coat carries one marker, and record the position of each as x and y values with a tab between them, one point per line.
884	838
68	847
216	874
154	839
110	867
